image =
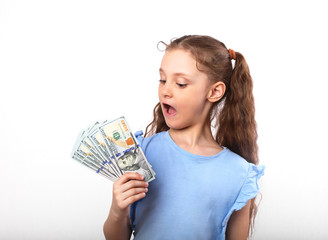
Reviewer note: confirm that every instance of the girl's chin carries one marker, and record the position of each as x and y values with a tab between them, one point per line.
173	124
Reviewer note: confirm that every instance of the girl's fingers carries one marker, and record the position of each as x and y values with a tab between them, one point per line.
132	184
127	202
123	201
129	176
128	189
132	192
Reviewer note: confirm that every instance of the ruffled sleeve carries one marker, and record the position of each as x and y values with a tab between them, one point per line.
248	191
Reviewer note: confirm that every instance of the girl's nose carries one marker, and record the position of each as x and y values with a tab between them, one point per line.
167	90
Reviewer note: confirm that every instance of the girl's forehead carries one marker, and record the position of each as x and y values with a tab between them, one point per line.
178	61
176	54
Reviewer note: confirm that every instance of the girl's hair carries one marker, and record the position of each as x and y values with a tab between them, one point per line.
233	116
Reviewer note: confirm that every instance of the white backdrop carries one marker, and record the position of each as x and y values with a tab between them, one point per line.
65	64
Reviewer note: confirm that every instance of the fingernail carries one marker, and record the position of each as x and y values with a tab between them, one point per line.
142	177
146	189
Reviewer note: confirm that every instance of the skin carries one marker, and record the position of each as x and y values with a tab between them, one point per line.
191	94
238	225
129	188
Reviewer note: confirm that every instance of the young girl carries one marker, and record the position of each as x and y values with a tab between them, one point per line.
202	146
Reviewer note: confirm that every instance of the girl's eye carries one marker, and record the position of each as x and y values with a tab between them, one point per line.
181	85
162	81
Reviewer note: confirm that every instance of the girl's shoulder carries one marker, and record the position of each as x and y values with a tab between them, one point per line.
233	157
238	164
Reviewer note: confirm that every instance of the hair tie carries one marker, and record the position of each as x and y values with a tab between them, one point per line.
232	54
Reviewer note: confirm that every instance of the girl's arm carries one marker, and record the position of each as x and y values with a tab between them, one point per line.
238	225
126	190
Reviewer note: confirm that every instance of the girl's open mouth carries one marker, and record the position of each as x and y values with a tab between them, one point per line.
169	110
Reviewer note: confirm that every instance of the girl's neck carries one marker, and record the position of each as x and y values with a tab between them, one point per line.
196	139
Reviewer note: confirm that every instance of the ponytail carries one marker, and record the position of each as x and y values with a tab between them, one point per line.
237	123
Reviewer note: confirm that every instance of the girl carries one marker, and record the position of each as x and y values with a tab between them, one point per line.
202	146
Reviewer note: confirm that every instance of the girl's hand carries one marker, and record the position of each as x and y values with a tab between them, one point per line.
128	189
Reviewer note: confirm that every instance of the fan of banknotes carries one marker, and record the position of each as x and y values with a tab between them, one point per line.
111	149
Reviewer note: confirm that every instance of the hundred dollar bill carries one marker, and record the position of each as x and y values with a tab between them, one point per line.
96	151
121	143
97	140
92	161
93	166
84	148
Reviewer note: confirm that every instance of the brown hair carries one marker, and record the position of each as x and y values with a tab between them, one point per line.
233	116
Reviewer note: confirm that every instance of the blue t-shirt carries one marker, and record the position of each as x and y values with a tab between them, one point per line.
192	196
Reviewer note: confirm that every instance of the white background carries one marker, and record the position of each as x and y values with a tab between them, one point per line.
65	64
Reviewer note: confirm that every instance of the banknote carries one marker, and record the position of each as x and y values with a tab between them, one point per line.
96	140
121	143
84	148
111	149
92	166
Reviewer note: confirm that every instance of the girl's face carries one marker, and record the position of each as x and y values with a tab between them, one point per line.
183	90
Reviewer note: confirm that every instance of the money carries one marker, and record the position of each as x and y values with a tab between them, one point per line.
93	166
110	149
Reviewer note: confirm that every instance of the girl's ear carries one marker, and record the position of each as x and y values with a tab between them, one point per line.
216	92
